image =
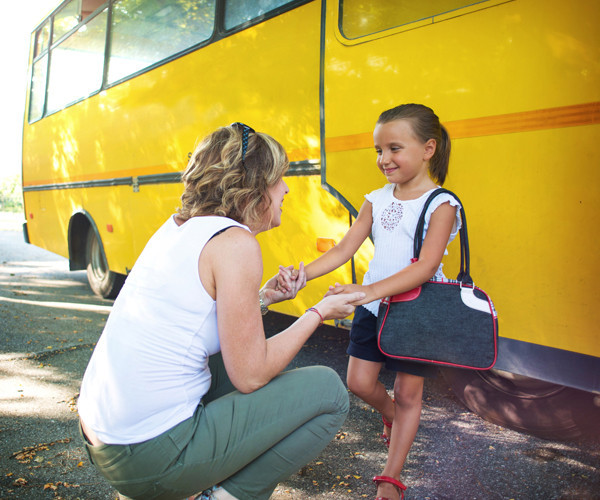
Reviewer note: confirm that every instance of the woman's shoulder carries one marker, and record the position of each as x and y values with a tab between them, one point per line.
215	221
234	254
233	249
235	236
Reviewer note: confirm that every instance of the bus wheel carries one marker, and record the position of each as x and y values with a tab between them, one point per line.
532	406
103	281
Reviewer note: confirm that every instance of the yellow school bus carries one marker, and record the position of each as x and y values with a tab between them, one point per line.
121	90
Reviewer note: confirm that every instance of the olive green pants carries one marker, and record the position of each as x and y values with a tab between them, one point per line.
247	443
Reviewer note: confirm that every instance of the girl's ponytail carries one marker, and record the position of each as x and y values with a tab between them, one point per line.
426	125
438	165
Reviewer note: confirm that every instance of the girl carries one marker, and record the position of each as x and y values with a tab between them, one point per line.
413	151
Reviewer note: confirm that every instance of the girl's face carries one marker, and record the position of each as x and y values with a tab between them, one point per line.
276	194
401	156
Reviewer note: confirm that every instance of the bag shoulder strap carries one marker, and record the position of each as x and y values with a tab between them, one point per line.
465	273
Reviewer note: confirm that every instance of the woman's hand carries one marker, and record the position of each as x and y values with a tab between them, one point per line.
339	305
294	280
367	296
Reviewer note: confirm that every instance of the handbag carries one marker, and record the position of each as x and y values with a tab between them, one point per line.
448	323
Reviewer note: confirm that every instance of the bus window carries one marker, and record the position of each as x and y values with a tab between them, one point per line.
37	97
359	18
38	88
237	12
65	20
145	32
77	63
41	39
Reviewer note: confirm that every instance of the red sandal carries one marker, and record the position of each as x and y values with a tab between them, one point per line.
391	480
385	438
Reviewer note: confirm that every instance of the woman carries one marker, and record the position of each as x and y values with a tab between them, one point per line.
183	391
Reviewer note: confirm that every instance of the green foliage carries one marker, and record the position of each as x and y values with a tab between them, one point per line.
11	196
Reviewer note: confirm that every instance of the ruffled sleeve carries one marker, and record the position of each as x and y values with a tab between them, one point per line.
439	200
378	194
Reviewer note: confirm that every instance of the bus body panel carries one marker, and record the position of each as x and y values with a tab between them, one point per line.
150	124
517	85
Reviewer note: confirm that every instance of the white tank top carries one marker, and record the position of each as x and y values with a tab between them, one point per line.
393	230
149	369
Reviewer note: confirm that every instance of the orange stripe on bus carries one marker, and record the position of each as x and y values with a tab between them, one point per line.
526	121
302	154
566	116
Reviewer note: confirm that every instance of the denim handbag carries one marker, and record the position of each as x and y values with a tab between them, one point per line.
446	323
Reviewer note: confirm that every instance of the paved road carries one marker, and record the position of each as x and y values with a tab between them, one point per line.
50	321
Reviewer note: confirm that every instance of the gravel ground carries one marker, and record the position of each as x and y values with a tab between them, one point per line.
49	323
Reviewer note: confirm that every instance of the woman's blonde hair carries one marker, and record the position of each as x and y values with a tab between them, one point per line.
229	174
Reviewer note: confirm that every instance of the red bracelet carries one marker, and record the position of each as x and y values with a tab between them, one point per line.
315	310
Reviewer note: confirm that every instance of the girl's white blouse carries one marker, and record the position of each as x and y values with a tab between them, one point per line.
393	229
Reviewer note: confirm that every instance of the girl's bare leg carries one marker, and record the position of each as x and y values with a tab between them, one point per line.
408	394
363	381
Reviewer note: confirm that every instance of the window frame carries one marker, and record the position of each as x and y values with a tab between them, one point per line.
56	45
202	43
474	6
219	33
292	4
58	11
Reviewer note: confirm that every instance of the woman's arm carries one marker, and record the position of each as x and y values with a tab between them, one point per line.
432	251
231	267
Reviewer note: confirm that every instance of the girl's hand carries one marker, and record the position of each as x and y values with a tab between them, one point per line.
272	292
287	278
352	288
339	305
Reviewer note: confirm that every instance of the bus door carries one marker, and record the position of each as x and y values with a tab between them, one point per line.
518	93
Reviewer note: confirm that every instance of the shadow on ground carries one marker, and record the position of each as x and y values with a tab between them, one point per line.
50	322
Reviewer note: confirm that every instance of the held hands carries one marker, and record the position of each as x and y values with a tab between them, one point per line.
352	288
285	285
290	281
339	305
290	278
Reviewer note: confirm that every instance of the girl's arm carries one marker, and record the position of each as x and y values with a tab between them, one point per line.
230	268
434	245
339	254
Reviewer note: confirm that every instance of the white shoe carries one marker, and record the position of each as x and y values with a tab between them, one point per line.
214	493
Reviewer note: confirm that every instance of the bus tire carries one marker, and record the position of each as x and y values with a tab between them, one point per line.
103	281
527	405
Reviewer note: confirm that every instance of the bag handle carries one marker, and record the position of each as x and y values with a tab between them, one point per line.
464	275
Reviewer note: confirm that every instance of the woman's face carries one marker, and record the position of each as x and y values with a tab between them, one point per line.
276	194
